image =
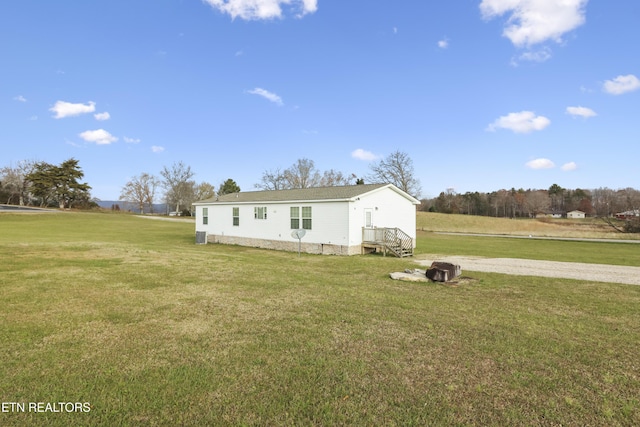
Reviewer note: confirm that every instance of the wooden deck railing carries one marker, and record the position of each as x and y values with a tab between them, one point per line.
392	240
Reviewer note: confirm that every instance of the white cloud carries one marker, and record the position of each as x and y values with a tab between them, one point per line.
571	166
365	155
267	95
102	116
309	6
522	122
540	164
157	149
99	136
68	109
131	140
581	112
262	9
536	21
540	55
20	98
443	44
622	84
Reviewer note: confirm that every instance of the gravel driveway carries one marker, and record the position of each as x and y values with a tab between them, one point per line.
528	267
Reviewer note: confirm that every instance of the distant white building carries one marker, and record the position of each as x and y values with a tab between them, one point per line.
575	215
628	214
336	220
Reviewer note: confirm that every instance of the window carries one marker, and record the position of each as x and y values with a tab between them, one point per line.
260	212
236	216
295	217
205	216
306	217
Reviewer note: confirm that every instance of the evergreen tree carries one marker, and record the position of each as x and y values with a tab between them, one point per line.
228	187
51	183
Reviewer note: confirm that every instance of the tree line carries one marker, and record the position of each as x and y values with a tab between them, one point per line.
557	201
44	184
181	191
37	183
396	168
302	174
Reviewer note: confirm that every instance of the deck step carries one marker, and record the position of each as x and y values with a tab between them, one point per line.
392	240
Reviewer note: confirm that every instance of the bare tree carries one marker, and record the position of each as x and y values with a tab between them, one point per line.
141	191
333	178
396	169
538	202
603	200
302	174
447	201
272	180
9	184
500	200
631	199
179	190
15	183
204	191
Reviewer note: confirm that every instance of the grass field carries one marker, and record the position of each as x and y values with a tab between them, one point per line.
130	316
543	227
552	250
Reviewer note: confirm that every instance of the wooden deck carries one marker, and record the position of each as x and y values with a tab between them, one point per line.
387	240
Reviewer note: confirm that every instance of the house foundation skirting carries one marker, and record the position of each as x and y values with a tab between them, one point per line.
291	246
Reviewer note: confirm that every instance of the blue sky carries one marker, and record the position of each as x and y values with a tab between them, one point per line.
482	94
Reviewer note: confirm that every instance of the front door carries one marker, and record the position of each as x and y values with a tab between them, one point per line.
368	218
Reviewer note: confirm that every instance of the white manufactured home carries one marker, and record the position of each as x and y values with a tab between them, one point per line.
344	220
576	215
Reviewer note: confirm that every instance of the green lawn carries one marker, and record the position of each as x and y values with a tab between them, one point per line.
552	250
129	315
542	227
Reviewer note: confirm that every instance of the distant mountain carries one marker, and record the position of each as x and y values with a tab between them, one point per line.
158	208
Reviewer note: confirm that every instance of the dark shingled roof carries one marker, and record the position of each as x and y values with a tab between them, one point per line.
298	194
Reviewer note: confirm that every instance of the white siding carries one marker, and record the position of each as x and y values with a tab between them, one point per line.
575	214
388	209
328	224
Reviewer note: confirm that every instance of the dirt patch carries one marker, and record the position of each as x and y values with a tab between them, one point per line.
526	267
461	281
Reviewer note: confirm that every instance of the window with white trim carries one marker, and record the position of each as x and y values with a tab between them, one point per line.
205	216
236	216
260	212
306	217
295	217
